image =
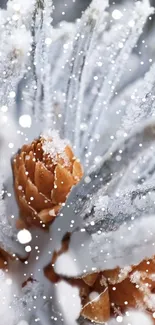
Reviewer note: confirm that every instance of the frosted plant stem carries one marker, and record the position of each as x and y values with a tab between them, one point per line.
140	16
37	50
79	111
143	104
131	243
8	233
111	167
47	33
123	152
15	44
82	45
24	306
54	96
81	200
120	208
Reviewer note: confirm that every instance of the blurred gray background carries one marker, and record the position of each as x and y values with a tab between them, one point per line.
69	10
72	8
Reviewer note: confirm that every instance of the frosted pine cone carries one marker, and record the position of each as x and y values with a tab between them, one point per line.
110	293
44	173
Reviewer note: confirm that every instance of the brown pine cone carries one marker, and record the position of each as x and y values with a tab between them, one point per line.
110	293
44	173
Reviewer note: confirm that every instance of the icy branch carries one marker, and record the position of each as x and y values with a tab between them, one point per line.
61	40
108	213
83	43
15	45
118	158
8	232
42	38
129	245
107	88
20	304
142	104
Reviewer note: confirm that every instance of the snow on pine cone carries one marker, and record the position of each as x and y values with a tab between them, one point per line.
44	173
109	293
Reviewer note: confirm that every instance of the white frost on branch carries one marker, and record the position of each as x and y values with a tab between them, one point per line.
86	63
99	65
140	13
108	213
86	32
41	54
128	245
17	303
15	46
16	42
61	40
20	11
8	232
142	104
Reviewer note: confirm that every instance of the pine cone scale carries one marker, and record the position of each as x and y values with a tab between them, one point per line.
30	162
62	184
41	174
37	200
22	177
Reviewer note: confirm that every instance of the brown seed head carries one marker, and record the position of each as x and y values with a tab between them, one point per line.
44	173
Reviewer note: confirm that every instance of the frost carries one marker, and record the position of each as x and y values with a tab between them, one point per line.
105	90
134	317
16	304
101	204
20	8
132	242
54	146
73	78
142	104
8	233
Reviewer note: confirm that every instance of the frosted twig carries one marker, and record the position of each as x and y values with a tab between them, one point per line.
108	213
15	44
140	14
45	66
23	305
83	41
60	50
128	245
8	233
122	153
142	104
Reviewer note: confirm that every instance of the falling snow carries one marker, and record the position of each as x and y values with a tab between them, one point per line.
91	83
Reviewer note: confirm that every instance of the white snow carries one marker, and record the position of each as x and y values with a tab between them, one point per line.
70	302
53	146
133	317
124	246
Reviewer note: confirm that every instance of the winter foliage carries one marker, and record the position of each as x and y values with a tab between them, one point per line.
75	79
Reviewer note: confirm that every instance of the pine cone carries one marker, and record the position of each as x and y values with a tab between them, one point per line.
110	293
44	173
